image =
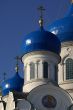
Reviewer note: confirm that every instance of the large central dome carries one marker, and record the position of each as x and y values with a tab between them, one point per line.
63	28
41	40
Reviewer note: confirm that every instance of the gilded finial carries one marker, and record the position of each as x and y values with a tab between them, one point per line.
41	9
17	65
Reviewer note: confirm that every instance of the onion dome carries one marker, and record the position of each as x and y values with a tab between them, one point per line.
41	40
12	84
63	28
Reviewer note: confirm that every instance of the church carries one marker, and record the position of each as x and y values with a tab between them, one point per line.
48	69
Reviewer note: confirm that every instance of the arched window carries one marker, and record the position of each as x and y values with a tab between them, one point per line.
45	70
32	70
69	68
56	73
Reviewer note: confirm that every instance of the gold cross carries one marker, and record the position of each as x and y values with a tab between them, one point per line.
17	59
4	76
41	9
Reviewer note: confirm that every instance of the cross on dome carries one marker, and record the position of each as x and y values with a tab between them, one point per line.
41	9
17	65
4	74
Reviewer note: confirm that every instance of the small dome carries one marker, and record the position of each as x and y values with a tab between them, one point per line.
13	84
63	28
41	40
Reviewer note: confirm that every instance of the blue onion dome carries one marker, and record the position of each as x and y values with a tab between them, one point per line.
63	28
12	84
41	40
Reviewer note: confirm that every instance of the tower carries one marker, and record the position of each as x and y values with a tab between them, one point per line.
41	57
12	84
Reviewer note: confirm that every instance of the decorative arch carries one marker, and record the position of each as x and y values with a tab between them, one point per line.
67	67
64	59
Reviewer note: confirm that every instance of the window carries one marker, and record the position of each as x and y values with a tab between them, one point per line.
32	70
45	70
69	68
56	73
25	73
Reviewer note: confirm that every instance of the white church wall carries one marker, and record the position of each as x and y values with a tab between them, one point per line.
66	52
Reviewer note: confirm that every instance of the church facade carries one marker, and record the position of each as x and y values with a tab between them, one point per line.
48	70
63	28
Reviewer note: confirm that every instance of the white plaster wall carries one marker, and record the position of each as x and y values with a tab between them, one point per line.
10	105
5	98
1	106
33	84
66	52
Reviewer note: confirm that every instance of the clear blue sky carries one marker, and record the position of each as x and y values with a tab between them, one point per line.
18	18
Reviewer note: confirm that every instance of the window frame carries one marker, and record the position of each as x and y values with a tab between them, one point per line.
64	69
69	65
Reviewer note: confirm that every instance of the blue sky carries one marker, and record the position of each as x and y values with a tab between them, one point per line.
18	18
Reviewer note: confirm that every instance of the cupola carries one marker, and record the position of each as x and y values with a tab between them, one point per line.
13	84
63	28
41	54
